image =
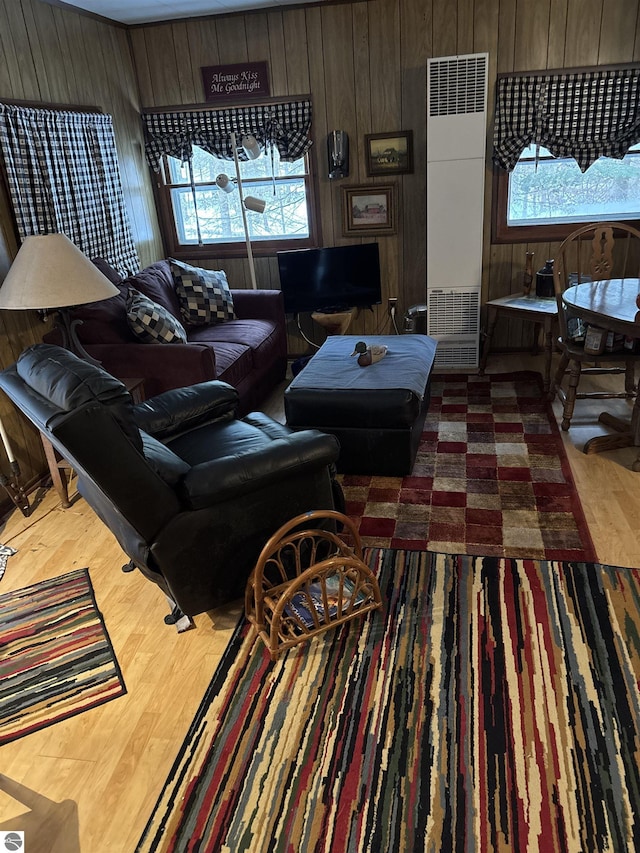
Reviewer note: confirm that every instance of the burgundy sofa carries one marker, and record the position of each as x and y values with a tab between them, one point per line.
249	352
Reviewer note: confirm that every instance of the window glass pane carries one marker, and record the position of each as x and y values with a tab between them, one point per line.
220	215
206	167
556	191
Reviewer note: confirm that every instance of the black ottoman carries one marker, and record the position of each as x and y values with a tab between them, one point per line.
376	412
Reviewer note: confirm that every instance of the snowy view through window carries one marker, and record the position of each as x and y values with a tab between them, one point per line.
219	213
557	191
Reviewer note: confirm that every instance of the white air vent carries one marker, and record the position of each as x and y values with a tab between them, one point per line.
451	355
452	313
458	85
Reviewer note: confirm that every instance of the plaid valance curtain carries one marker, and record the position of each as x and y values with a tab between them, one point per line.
584	115
62	170
285	126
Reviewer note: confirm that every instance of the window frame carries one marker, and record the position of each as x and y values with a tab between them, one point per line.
235	249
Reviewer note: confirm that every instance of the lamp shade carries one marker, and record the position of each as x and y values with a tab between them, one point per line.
257	205
251	147
49	271
224	182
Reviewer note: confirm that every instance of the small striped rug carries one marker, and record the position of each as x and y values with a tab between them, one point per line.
492	706
56	658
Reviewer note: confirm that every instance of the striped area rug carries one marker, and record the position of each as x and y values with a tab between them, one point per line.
492	706
56	659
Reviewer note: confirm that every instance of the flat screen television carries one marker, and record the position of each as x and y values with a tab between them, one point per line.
330	279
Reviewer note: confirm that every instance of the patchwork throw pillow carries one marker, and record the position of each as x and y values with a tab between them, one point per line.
151	322
204	295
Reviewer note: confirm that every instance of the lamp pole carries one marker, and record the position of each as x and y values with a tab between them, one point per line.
252	270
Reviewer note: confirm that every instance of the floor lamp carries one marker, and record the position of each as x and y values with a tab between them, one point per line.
224	182
49	272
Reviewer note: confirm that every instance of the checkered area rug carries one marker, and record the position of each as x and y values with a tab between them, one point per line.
491	478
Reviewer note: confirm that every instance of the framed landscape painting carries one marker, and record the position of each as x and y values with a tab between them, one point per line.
368	209
389	153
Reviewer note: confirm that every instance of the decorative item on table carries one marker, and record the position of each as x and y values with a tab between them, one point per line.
576	329
614	342
369	354
595	340
527	276
544	281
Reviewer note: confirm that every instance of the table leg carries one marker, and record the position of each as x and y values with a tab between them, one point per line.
492	319
548	351
56	469
627	434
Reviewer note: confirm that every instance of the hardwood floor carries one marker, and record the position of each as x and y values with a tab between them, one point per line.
89	783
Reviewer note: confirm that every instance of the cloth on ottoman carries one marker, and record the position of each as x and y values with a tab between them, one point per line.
376	412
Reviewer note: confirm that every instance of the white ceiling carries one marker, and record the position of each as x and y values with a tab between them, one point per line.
145	11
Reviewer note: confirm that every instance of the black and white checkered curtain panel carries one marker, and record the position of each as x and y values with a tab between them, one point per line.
584	115
283	126
63	176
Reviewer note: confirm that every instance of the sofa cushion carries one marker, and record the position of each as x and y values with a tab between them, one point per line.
259	336
234	362
156	282
151	322
204	295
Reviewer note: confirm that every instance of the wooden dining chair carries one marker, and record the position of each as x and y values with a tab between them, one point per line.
597	252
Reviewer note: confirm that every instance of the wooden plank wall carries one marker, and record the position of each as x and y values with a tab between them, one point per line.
364	63
52	55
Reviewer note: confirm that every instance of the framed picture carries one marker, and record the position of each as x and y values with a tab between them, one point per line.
389	153
368	209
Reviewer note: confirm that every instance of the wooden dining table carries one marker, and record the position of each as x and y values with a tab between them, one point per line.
610	305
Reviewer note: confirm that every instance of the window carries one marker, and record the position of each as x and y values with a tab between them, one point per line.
548	201
587	124
287	219
187	148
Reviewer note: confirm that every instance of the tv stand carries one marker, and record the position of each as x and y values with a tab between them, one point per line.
335	323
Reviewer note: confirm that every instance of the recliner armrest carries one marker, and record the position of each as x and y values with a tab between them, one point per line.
216	481
181	409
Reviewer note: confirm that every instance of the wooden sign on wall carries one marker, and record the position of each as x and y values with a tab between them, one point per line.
238	82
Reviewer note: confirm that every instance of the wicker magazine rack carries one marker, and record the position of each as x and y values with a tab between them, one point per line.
307	580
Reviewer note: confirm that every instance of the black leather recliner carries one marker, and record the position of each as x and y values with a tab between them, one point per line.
190	492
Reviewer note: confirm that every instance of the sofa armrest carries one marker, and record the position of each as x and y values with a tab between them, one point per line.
175	411
221	479
176	364
259	305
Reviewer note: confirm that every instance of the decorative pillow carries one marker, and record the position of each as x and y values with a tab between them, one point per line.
204	295
151	322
